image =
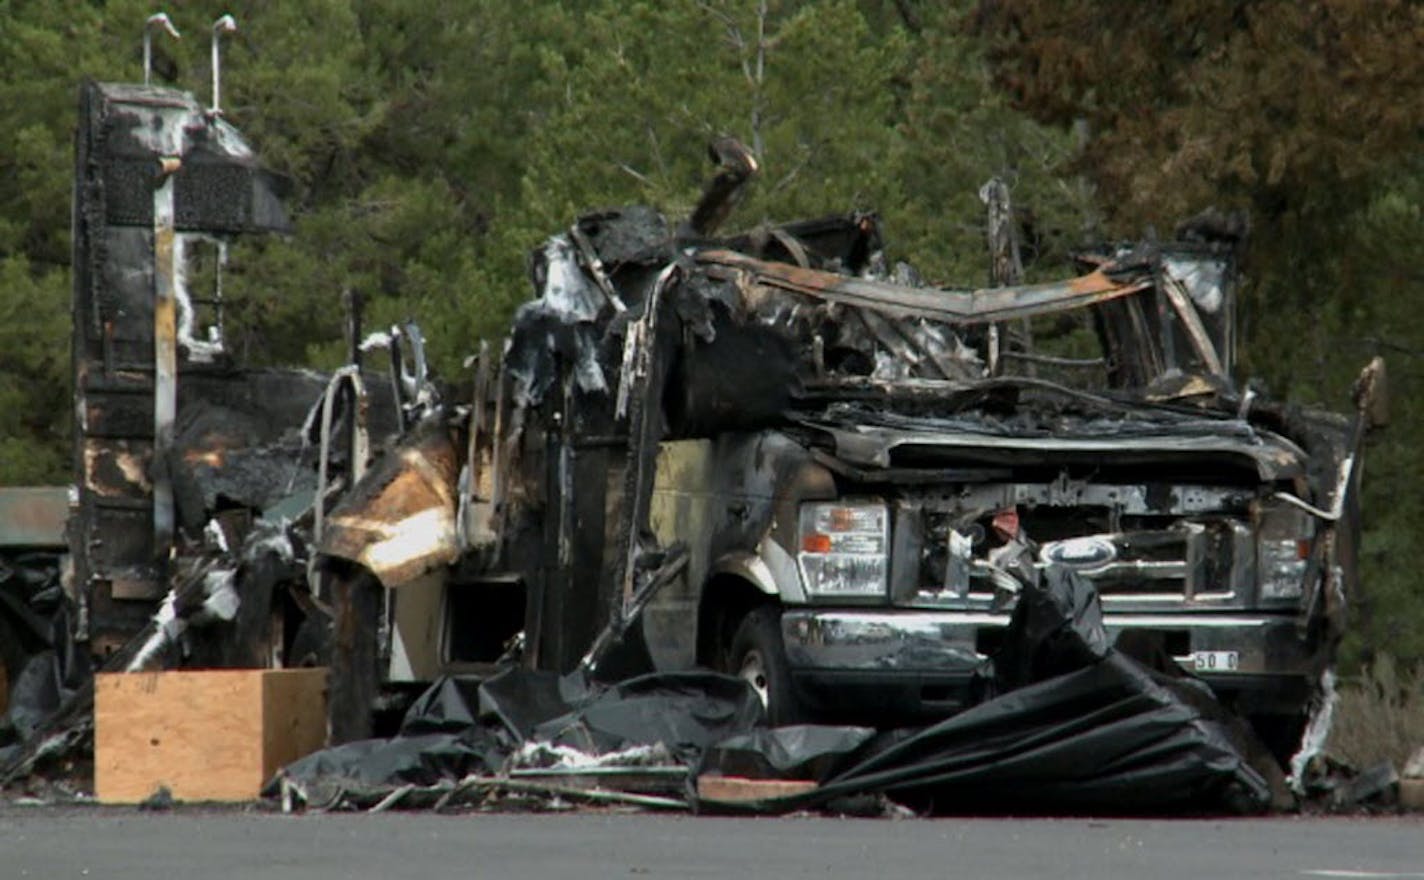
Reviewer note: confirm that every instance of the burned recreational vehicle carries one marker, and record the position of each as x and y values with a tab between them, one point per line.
774	455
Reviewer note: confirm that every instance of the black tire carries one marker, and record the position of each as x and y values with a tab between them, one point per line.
757	654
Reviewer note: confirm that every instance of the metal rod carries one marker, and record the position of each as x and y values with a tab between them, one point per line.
158	19
225	25
165	350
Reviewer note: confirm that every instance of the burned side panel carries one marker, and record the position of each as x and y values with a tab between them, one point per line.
156	175
399	522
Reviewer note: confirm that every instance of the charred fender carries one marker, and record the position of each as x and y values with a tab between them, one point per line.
398	522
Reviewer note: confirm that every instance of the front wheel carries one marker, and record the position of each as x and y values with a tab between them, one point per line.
757	656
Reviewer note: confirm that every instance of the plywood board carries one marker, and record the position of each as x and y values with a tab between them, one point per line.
208	735
294	712
732	789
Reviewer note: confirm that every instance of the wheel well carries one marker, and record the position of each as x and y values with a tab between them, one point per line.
726	599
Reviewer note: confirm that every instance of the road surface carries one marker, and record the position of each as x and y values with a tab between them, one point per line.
119	844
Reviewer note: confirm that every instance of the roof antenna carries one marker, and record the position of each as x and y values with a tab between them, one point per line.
157	19
225	25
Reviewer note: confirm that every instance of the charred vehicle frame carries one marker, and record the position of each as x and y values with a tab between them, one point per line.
774	455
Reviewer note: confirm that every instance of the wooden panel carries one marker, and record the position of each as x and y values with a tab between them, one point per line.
294	713
209	735
731	789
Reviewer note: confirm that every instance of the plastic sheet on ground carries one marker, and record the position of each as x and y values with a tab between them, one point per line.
1068	725
797	751
460	728
1077	727
44	664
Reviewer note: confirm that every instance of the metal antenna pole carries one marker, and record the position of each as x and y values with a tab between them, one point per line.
225	25
158	19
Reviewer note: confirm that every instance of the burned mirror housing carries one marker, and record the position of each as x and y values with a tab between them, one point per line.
1371	394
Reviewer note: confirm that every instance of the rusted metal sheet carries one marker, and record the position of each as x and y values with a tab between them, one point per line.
951	306
400	521
33	516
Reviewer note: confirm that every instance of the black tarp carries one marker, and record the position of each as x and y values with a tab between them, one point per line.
1068	724
1104	738
460	726
1076	726
44	665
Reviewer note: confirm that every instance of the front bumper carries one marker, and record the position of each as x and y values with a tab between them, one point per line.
914	663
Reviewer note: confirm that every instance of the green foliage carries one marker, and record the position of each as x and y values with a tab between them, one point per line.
957	132
807	87
34	360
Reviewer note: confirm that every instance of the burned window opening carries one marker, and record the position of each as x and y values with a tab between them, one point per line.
201	262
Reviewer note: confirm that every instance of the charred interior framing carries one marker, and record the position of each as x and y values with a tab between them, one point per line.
173	439
643	337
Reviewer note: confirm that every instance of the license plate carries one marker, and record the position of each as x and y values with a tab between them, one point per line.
1216	661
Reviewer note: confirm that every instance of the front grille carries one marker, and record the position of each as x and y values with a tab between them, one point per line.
1181	560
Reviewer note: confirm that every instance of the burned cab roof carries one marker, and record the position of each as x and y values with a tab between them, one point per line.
223	188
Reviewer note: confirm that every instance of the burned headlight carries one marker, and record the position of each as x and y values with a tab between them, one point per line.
1283	552
842	548
1282	565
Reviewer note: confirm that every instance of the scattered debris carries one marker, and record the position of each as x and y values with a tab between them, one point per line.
1076	726
1333	786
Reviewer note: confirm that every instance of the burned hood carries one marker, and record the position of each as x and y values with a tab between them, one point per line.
862	435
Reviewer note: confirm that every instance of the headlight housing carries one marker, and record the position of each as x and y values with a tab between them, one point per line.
1283	552
1282	564
843	548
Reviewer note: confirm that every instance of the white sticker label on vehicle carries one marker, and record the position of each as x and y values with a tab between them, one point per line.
1216	661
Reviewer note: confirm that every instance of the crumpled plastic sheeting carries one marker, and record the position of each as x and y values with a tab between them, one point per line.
457	728
685	711
418	760
1102	738
797	751
1057	626
1078	727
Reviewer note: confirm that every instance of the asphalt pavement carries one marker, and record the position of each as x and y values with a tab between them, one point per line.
119	844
